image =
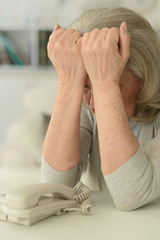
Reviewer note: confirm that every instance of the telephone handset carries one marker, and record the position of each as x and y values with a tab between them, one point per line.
28	196
32	203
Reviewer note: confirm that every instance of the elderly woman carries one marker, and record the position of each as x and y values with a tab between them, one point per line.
106	120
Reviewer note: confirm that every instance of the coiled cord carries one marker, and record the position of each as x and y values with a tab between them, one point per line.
82	192
81	197
86	208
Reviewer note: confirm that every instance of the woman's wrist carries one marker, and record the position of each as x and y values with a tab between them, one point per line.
102	83
68	92
107	91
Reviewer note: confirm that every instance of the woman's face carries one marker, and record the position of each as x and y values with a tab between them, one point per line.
130	87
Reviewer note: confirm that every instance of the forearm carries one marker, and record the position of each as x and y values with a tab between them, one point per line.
62	143
117	142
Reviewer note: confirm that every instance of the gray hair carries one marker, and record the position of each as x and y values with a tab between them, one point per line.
144	53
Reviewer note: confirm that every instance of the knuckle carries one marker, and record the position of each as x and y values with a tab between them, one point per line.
69	31
78	34
114	30
53	47
85	36
58	44
95	30
85	50
105	29
95	47
50	37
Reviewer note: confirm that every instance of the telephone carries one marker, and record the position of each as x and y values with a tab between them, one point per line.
32	203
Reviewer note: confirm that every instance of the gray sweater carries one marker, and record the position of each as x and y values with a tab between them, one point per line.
132	185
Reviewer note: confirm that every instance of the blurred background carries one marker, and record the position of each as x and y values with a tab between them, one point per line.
28	81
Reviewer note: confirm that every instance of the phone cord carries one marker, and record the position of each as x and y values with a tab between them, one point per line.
82	192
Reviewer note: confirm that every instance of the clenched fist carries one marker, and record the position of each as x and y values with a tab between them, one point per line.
105	53
64	51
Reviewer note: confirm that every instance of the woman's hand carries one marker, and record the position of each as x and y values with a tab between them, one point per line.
64	51
105	53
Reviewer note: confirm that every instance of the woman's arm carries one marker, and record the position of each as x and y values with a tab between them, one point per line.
72	176
137	182
62	143
105	53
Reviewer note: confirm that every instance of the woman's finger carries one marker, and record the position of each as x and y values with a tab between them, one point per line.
56	34
112	37
102	33
124	41
85	37
57	26
74	37
93	34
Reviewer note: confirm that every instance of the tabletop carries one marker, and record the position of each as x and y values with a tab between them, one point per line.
106	222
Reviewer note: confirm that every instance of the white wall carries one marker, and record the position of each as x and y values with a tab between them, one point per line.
11	94
64	11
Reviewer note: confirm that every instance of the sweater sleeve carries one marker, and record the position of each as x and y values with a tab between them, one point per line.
137	182
72	176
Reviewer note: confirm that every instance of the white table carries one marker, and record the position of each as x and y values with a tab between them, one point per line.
106	222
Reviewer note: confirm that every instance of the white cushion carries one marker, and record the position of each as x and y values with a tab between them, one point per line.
42	99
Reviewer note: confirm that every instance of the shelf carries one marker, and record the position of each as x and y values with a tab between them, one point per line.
24	45
26	69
